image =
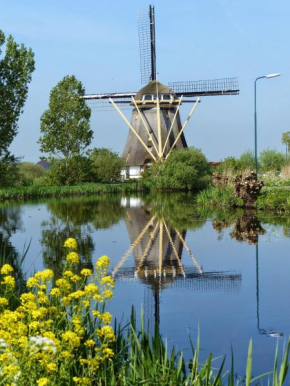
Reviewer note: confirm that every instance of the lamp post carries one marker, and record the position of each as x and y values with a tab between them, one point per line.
256	150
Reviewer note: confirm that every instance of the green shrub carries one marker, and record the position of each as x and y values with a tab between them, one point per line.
29	172
69	171
9	170
106	165
271	160
185	169
247	160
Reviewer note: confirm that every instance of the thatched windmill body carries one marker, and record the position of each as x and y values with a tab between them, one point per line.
155	128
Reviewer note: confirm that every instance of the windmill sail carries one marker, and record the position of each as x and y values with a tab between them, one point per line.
146	30
210	87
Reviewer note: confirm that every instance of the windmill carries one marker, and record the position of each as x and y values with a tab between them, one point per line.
155	128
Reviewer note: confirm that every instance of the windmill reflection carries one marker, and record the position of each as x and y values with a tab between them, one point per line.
157	248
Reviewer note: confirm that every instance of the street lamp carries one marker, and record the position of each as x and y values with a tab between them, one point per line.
256	152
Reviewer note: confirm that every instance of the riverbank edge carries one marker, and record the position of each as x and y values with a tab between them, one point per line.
274	199
32	192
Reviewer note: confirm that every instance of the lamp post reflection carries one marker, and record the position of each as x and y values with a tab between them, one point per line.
270	332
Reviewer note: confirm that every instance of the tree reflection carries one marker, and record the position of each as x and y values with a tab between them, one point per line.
246	225
10	222
77	218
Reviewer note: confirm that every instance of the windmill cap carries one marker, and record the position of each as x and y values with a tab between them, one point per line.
153	87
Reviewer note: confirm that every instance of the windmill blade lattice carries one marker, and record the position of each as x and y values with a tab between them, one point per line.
146	31
225	86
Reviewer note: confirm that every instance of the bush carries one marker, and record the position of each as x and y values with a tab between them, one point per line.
29	172
247	160
9	171
106	165
185	169
68	172
271	160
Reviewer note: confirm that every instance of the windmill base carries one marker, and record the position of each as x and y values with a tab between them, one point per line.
132	172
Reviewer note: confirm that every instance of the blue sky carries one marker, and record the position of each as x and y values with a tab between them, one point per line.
196	39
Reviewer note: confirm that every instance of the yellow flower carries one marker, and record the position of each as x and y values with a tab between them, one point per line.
9	281
75	278
55	292
108	280
68	274
43	382
82	381
71	338
45	275
3	302
103	262
63	284
6	269
31	282
70	243
86	272
106	318
51	367
91	289
90	343
107	353
108	294
73	257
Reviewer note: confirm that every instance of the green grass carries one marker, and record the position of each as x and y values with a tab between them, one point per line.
28	192
145	360
218	197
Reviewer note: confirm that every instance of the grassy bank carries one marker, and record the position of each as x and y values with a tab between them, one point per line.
30	192
272	199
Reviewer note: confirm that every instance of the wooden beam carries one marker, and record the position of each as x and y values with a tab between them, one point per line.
160	154
195	262
133	246
148	246
172	123
132	128
174	250
145	125
184	126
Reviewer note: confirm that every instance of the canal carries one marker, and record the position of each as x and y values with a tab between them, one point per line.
224	273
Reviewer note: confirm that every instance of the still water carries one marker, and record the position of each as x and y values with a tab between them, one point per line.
226	273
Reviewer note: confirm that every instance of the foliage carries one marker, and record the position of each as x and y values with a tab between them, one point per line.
65	126
185	169
9	171
286	139
219	197
271	160
106	165
59	333
69	171
28	172
247	160
16	68
229	164
28	192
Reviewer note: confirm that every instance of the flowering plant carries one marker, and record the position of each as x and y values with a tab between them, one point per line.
60	332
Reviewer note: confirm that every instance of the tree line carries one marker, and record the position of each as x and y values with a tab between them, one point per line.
64	127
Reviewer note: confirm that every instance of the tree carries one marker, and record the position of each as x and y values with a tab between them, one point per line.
185	169
106	165
286	140
247	160
66	124
16	68
29	172
271	160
